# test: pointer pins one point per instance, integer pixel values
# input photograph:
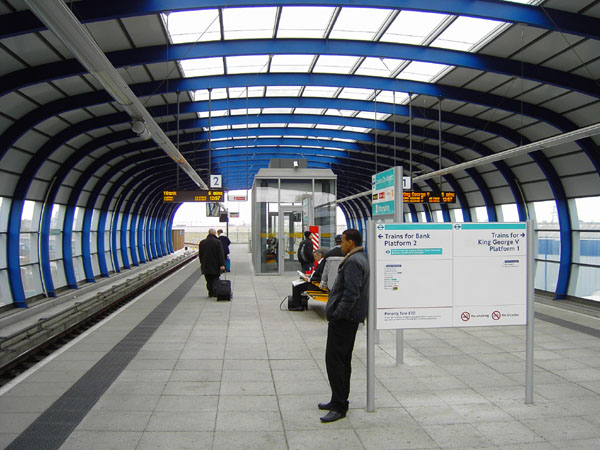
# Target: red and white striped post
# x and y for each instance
(314, 236)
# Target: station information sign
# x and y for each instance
(428, 197)
(450, 274)
(206, 195)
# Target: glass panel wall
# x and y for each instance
(548, 244)
(509, 213)
(266, 193)
(456, 215)
(55, 241)
(28, 248)
(5, 295)
(480, 214)
(325, 211)
(284, 206)
(586, 239)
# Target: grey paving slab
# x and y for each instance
(328, 438)
(182, 421)
(241, 421)
(192, 388)
(181, 440)
(119, 402)
(183, 403)
(247, 375)
(248, 403)
(102, 440)
(556, 429)
(249, 440)
(397, 437)
(247, 388)
(458, 435)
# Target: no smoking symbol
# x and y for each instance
(496, 315)
(465, 316)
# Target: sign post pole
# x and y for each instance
(530, 315)
(371, 320)
(399, 218)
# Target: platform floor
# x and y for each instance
(177, 370)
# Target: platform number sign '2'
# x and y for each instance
(216, 181)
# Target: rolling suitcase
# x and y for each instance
(224, 290)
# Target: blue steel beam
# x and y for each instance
(245, 47)
(547, 18)
(83, 126)
(489, 100)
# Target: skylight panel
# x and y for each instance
(421, 71)
(359, 23)
(465, 32)
(291, 63)
(193, 26)
(202, 67)
(371, 115)
(308, 111)
(240, 92)
(327, 127)
(248, 23)
(356, 93)
(300, 125)
(304, 22)
(412, 27)
(242, 112)
(340, 112)
(247, 64)
(388, 97)
(283, 91)
(319, 91)
(377, 67)
(273, 125)
(202, 94)
(213, 114)
(277, 110)
(335, 64)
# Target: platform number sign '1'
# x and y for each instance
(216, 181)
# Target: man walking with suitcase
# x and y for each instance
(212, 261)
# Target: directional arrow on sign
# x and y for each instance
(380, 235)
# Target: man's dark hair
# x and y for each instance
(338, 239)
(353, 235)
(307, 234)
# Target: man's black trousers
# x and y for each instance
(211, 284)
(338, 360)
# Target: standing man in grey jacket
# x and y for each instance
(347, 307)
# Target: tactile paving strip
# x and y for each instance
(53, 426)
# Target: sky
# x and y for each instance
(194, 214)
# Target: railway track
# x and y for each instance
(21, 350)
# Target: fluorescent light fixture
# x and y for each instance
(59, 19)
(564, 138)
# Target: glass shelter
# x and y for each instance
(285, 202)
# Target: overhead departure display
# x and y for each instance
(210, 195)
(428, 197)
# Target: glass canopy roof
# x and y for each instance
(415, 28)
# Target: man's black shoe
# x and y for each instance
(332, 416)
(324, 406)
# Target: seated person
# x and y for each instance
(297, 303)
(330, 271)
(337, 250)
